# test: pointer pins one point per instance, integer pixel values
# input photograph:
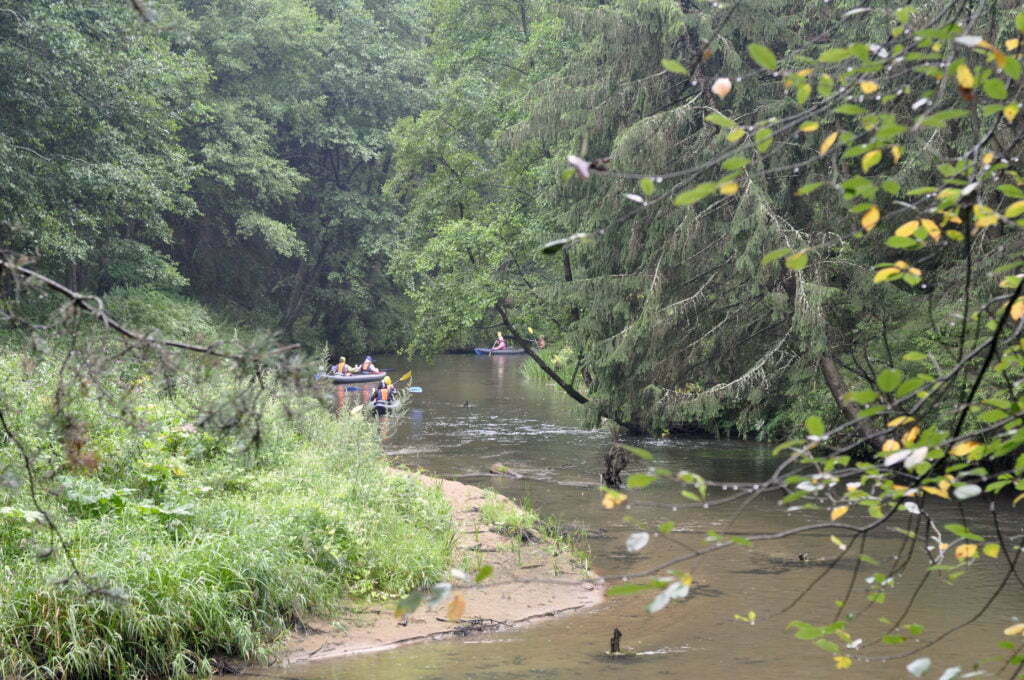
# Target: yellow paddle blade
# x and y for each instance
(408, 374)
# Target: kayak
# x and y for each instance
(354, 378)
(487, 351)
(382, 408)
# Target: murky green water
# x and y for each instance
(476, 411)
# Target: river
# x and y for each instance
(477, 411)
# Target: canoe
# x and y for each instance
(355, 378)
(487, 351)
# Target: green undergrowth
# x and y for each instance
(191, 543)
(522, 523)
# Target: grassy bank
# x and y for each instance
(193, 541)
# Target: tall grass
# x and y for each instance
(202, 546)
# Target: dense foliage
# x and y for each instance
(173, 515)
(234, 151)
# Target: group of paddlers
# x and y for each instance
(343, 368)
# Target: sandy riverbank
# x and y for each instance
(531, 581)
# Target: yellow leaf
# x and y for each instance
(941, 493)
(529, 330)
(964, 77)
(1017, 309)
(991, 550)
(839, 512)
(900, 420)
(984, 216)
(842, 662)
(885, 273)
(943, 547)
(907, 229)
(897, 153)
(456, 608)
(729, 188)
(1010, 111)
(966, 551)
(890, 445)
(988, 158)
(1015, 629)
(869, 219)
(932, 229)
(901, 265)
(1011, 44)
(870, 159)
(868, 86)
(1015, 209)
(1019, 496)
(803, 73)
(963, 448)
(910, 436)
(612, 499)
(736, 134)
(838, 543)
(810, 126)
(827, 143)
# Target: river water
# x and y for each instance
(477, 411)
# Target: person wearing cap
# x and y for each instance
(367, 365)
(343, 368)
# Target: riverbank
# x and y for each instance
(535, 577)
(191, 543)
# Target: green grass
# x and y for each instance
(204, 545)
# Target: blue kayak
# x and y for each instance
(487, 351)
(353, 378)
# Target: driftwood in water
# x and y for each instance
(616, 636)
(615, 461)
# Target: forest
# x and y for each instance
(767, 220)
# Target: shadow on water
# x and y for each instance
(478, 411)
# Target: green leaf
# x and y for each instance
(673, 66)
(639, 481)
(409, 603)
(901, 242)
(826, 85)
(630, 588)
(862, 397)
(775, 254)
(1019, 22)
(995, 88)
(915, 356)
(734, 163)
(815, 426)
(763, 139)
(720, 120)
(483, 573)
(691, 196)
(808, 188)
(638, 452)
(834, 55)
(647, 186)
(963, 532)
(890, 379)
(763, 56)
(797, 261)
(827, 645)
(939, 119)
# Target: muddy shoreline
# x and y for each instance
(532, 581)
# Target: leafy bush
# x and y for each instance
(199, 546)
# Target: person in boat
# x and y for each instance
(367, 366)
(540, 342)
(499, 343)
(383, 395)
(342, 368)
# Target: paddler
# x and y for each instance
(367, 365)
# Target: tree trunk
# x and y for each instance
(837, 386)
